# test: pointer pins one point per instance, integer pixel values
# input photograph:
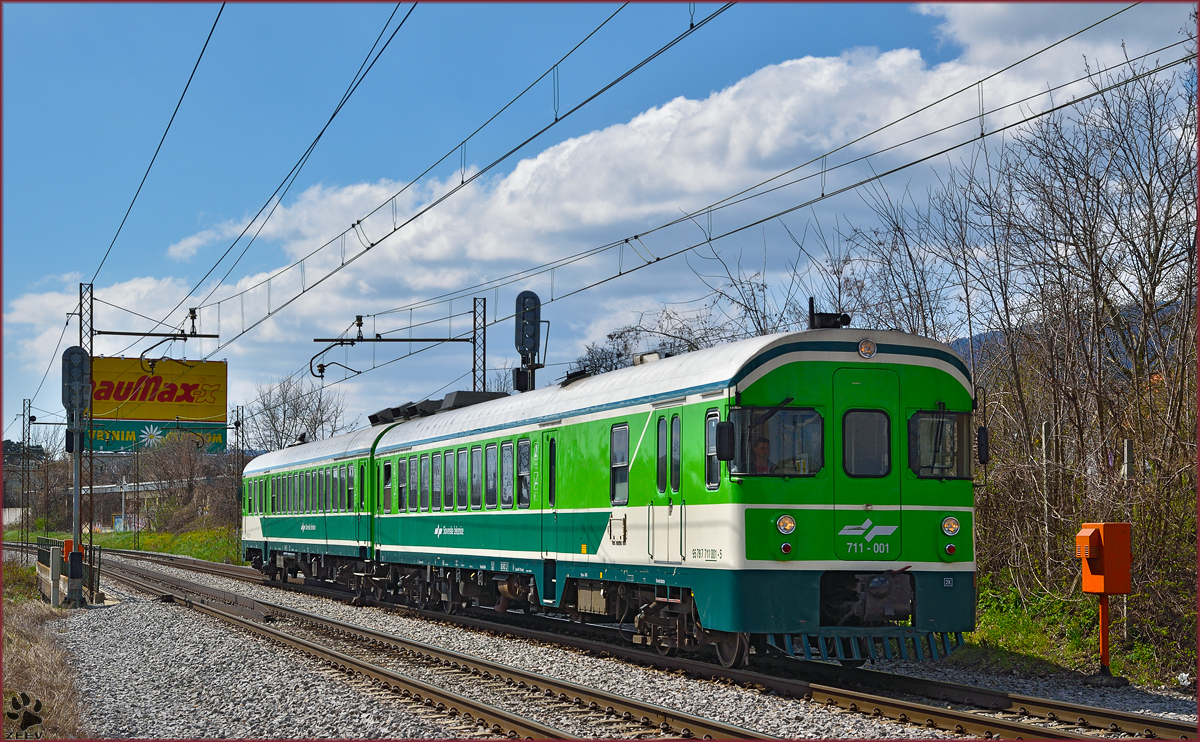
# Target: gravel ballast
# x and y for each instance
(775, 715)
(151, 669)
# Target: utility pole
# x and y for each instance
(479, 345)
(25, 508)
(86, 337)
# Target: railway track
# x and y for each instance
(376, 656)
(985, 712)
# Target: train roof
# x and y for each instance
(350, 445)
(709, 370)
(715, 369)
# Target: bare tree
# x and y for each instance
(280, 412)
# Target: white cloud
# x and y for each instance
(603, 185)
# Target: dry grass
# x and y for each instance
(35, 664)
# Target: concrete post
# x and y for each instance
(55, 575)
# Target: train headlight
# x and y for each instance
(786, 524)
(866, 348)
(950, 526)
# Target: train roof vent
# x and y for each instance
(424, 408)
(383, 417)
(455, 400)
(642, 359)
(574, 376)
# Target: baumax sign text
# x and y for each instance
(191, 390)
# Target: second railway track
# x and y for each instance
(982, 711)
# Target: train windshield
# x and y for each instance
(775, 441)
(939, 445)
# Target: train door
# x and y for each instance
(547, 465)
(867, 426)
(666, 510)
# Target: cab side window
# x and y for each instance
(712, 467)
(676, 451)
(618, 454)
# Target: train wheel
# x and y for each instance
(733, 650)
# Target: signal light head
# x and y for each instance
(950, 549)
(950, 525)
(786, 524)
(786, 548)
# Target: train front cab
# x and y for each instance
(856, 481)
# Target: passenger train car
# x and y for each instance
(806, 493)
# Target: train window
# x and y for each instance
(476, 477)
(310, 492)
(425, 483)
(551, 466)
(436, 473)
(339, 494)
(712, 467)
(490, 493)
(777, 441)
(463, 478)
(350, 487)
(506, 474)
(618, 455)
(414, 485)
(448, 473)
(662, 455)
(381, 507)
(676, 451)
(523, 473)
(401, 479)
(866, 441)
(939, 445)
(290, 482)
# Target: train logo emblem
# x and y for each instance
(866, 531)
(448, 530)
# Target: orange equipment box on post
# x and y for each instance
(1106, 553)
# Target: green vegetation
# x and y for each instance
(20, 583)
(1048, 635)
(213, 544)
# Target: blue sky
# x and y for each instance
(88, 89)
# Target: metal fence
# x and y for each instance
(92, 557)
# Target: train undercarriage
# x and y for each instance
(656, 617)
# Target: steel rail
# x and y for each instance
(498, 721)
(1032, 708)
(1092, 717)
(652, 715)
(665, 719)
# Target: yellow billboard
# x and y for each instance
(130, 389)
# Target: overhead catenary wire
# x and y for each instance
(733, 199)
(160, 144)
(274, 199)
(527, 273)
(750, 225)
(479, 173)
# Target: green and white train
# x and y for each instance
(808, 492)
